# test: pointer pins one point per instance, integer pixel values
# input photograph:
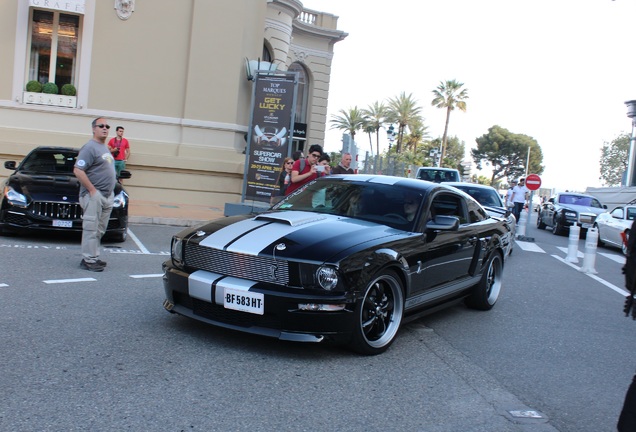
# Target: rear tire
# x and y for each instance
(486, 293)
(557, 229)
(540, 224)
(599, 242)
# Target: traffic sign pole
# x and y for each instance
(533, 182)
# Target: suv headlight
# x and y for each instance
(120, 199)
(570, 214)
(14, 198)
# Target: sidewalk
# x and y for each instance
(160, 213)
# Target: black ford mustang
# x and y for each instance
(345, 259)
(43, 194)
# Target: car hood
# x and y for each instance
(42, 187)
(295, 235)
(583, 209)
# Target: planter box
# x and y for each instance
(49, 99)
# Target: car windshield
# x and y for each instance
(395, 206)
(580, 200)
(484, 196)
(49, 162)
(437, 175)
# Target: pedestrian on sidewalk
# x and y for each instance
(95, 170)
(120, 149)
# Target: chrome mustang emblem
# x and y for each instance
(273, 268)
(281, 246)
(64, 198)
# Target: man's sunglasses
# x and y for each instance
(102, 126)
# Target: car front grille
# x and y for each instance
(55, 210)
(587, 218)
(259, 269)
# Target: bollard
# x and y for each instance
(521, 226)
(573, 244)
(589, 257)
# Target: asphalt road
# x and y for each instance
(96, 351)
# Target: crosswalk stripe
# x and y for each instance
(529, 246)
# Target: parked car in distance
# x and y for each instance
(438, 175)
(491, 201)
(613, 227)
(346, 259)
(568, 208)
(43, 194)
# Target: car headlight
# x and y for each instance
(176, 250)
(120, 199)
(14, 198)
(570, 214)
(327, 277)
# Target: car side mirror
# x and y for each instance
(9, 165)
(443, 223)
(605, 206)
(124, 174)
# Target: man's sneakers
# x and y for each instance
(96, 266)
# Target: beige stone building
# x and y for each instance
(171, 73)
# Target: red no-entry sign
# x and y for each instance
(533, 182)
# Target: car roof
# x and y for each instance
(469, 185)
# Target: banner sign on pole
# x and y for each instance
(270, 133)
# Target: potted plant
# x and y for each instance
(34, 87)
(69, 90)
(50, 88)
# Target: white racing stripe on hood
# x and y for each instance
(222, 237)
(285, 224)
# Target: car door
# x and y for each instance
(443, 263)
(615, 226)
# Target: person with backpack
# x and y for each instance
(304, 170)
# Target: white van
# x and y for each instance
(438, 175)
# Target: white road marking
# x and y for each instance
(136, 252)
(529, 246)
(617, 258)
(593, 276)
(614, 257)
(2, 285)
(156, 275)
(138, 242)
(58, 281)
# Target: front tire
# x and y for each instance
(379, 314)
(486, 293)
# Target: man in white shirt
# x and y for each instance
(519, 194)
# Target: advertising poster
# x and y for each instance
(269, 135)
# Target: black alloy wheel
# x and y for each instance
(379, 314)
(486, 293)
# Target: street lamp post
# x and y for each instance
(631, 163)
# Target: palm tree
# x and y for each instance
(375, 115)
(449, 95)
(351, 120)
(402, 110)
(369, 129)
(418, 132)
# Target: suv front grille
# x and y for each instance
(55, 210)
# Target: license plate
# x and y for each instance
(62, 223)
(244, 301)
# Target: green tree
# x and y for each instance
(375, 115)
(507, 154)
(614, 157)
(351, 120)
(417, 133)
(449, 95)
(402, 110)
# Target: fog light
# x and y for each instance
(318, 307)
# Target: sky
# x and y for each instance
(558, 71)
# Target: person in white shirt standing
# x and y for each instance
(519, 196)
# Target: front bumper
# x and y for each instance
(282, 319)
